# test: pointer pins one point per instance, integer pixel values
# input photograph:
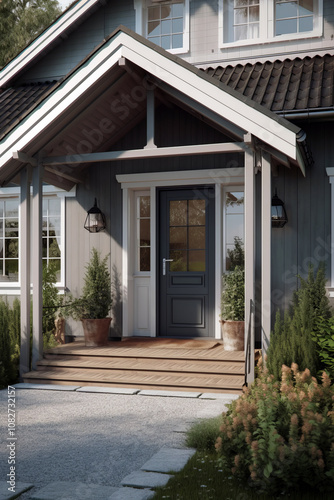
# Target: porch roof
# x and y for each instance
(98, 80)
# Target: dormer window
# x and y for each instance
(165, 23)
(247, 22)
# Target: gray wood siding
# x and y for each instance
(82, 41)
(204, 47)
(306, 238)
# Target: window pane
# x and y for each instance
(234, 227)
(165, 11)
(306, 7)
(177, 26)
(145, 255)
(254, 14)
(155, 40)
(1, 249)
(234, 203)
(179, 263)
(177, 10)
(154, 28)
(240, 33)
(306, 24)
(286, 9)
(197, 237)
(12, 269)
(145, 234)
(240, 16)
(54, 206)
(1, 208)
(166, 27)
(178, 213)
(177, 41)
(54, 250)
(44, 247)
(11, 248)
(178, 238)
(11, 208)
(240, 3)
(145, 206)
(153, 13)
(54, 226)
(197, 260)
(197, 212)
(12, 228)
(165, 42)
(286, 26)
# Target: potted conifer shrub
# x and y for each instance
(93, 307)
(233, 300)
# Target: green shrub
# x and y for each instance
(323, 336)
(9, 342)
(96, 299)
(233, 295)
(279, 436)
(203, 434)
(50, 305)
(291, 341)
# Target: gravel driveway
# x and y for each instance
(93, 438)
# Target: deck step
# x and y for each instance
(154, 365)
(141, 365)
(143, 380)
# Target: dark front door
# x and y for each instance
(186, 262)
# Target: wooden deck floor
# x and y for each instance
(165, 364)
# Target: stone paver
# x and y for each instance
(168, 459)
(49, 387)
(108, 390)
(19, 488)
(62, 490)
(140, 479)
(132, 494)
(219, 395)
(171, 394)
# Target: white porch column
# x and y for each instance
(125, 263)
(25, 270)
(37, 346)
(265, 252)
(249, 262)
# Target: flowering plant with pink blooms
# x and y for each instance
(279, 436)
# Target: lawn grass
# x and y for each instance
(204, 479)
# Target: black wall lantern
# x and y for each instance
(278, 213)
(95, 220)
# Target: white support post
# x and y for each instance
(37, 346)
(125, 264)
(218, 257)
(25, 270)
(249, 262)
(150, 119)
(265, 252)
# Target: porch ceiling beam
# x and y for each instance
(24, 158)
(201, 149)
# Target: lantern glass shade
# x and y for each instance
(95, 220)
(278, 214)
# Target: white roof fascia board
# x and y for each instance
(123, 45)
(58, 102)
(42, 41)
(231, 108)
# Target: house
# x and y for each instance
(182, 119)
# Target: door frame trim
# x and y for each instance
(132, 182)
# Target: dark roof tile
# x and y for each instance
(15, 102)
(283, 85)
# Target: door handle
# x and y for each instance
(164, 265)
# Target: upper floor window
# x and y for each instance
(245, 22)
(165, 23)
(293, 16)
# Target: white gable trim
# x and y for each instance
(173, 73)
(49, 35)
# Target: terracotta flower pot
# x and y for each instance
(96, 331)
(233, 333)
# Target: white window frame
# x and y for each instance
(267, 26)
(141, 23)
(138, 195)
(14, 287)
